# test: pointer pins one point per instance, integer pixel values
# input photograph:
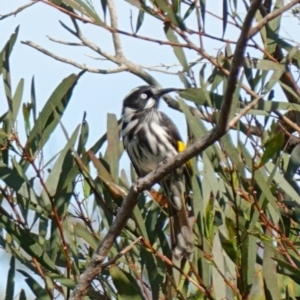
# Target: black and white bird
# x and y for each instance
(150, 137)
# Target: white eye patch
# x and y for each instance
(144, 96)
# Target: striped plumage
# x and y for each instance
(150, 137)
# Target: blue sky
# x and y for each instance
(95, 93)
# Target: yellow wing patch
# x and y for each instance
(180, 148)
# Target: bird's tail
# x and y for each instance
(182, 240)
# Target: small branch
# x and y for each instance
(236, 65)
(123, 252)
(243, 112)
(64, 42)
(254, 30)
(155, 69)
(114, 24)
(54, 215)
(111, 29)
(74, 63)
(120, 60)
(287, 121)
(15, 12)
(166, 260)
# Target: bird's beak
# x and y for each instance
(161, 92)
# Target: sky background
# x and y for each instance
(95, 93)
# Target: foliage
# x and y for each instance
(245, 195)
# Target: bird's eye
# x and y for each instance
(144, 96)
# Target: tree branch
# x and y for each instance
(15, 12)
(72, 62)
(255, 29)
(64, 42)
(236, 65)
(114, 24)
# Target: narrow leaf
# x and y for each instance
(46, 121)
(112, 154)
(39, 291)
(125, 284)
(225, 16)
(10, 285)
(177, 50)
(140, 20)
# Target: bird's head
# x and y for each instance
(144, 97)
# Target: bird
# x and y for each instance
(150, 137)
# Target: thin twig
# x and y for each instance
(232, 123)
(287, 121)
(64, 42)
(236, 64)
(15, 12)
(123, 252)
(114, 24)
(254, 30)
(166, 260)
(74, 63)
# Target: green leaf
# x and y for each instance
(264, 182)
(46, 121)
(10, 285)
(58, 169)
(86, 9)
(176, 6)
(104, 6)
(199, 97)
(292, 168)
(218, 281)
(18, 183)
(140, 222)
(203, 11)
(112, 154)
(177, 50)
(102, 171)
(70, 284)
(166, 8)
(26, 115)
(140, 20)
(198, 129)
(8, 47)
(236, 98)
(6, 76)
(16, 100)
(262, 64)
(269, 272)
(225, 16)
(39, 291)
(33, 99)
(273, 147)
(22, 295)
(83, 232)
(27, 243)
(248, 259)
(125, 284)
(155, 269)
(184, 80)
(272, 29)
(275, 78)
(288, 269)
(84, 134)
(189, 11)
